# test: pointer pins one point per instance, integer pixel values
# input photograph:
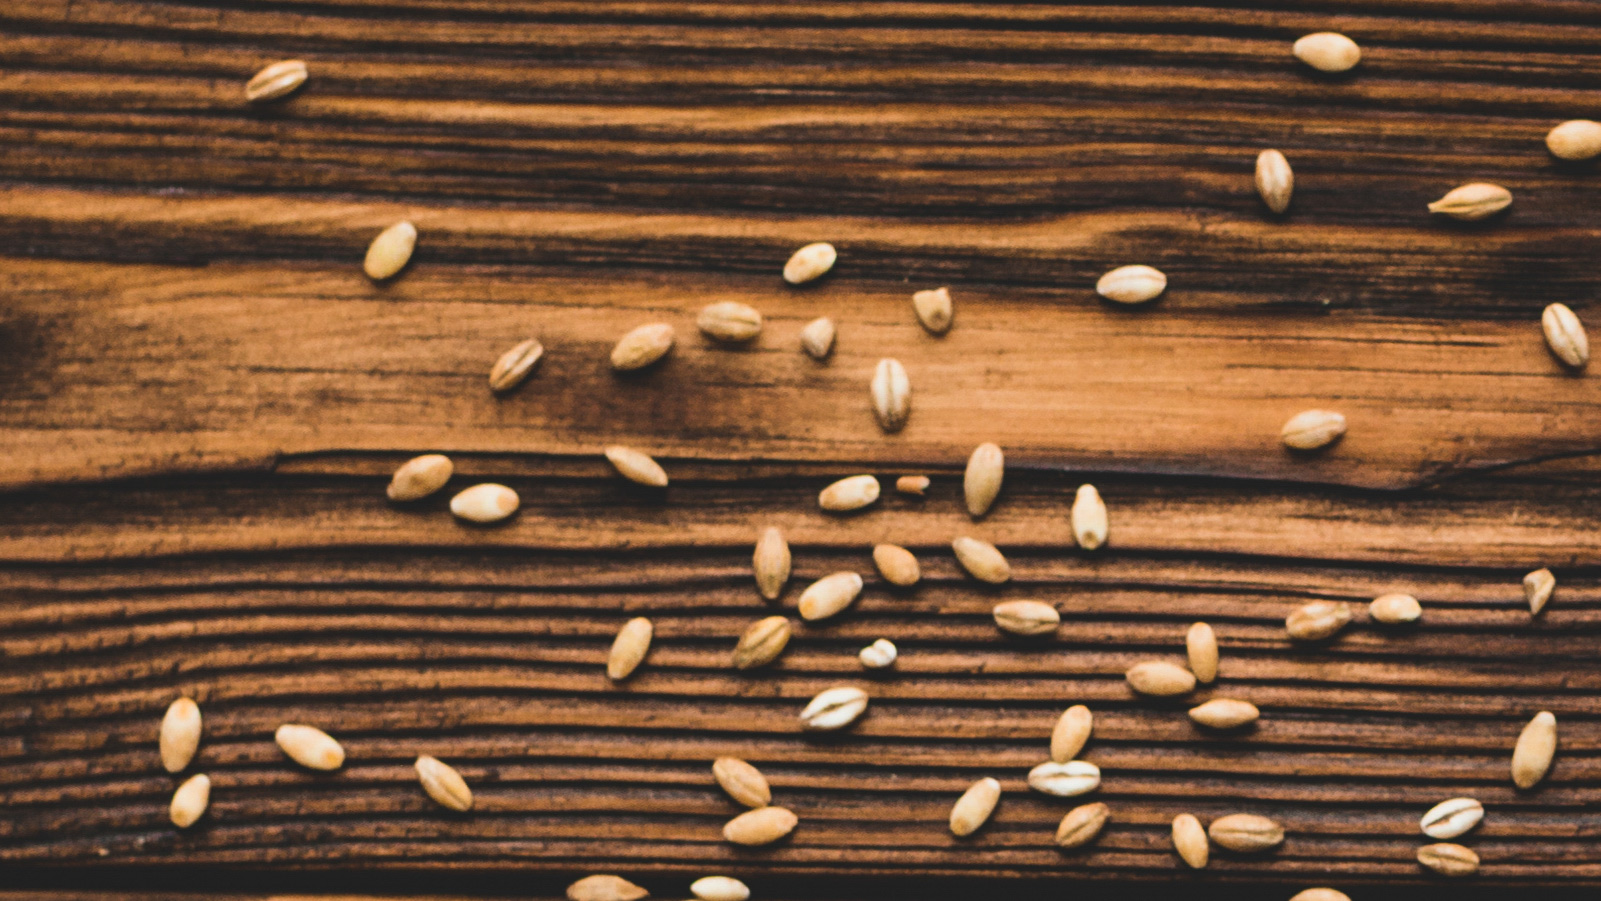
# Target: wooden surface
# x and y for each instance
(201, 398)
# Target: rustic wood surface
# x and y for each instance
(201, 398)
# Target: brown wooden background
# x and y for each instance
(201, 398)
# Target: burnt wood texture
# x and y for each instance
(202, 397)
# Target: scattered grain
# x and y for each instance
(628, 650)
(974, 807)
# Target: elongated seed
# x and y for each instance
(514, 366)
(829, 595)
(390, 251)
(912, 485)
(762, 826)
(729, 321)
(1065, 780)
(1225, 713)
(1026, 617)
(892, 395)
(628, 650)
(986, 468)
(1327, 51)
(1395, 608)
(1575, 139)
(1089, 518)
(1082, 824)
(1449, 859)
(1132, 284)
(897, 565)
(852, 493)
(879, 654)
(419, 477)
(1246, 832)
(642, 346)
(762, 642)
(1312, 429)
(974, 807)
(1072, 730)
(636, 466)
(190, 801)
(276, 81)
(1317, 620)
(933, 308)
(1565, 335)
(1536, 747)
(180, 734)
(605, 887)
(834, 708)
(817, 338)
(1471, 202)
(1320, 894)
(487, 502)
(810, 262)
(771, 563)
(1189, 839)
(1449, 819)
(719, 888)
(310, 747)
(1275, 180)
(743, 782)
(1537, 588)
(442, 783)
(982, 560)
(1200, 645)
(1159, 678)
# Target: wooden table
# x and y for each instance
(201, 398)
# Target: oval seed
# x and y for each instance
(1082, 824)
(1448, 859)
(817, 338)
(642, 346)
(810, 262)
(933, 310)
(180, 734)
(604, 887)
(1189, 839)
(1320, 894)
(1089, 518)
(982, 560)
(1395, 608)
(1065, 780)
(829, 595)
(1072, 730)
(892, 395)
(1575, 139)
(190, 801)
(743, 782)
(485, 503)
(1159, 678)
(897, 565)
(1246, 832)
(879, 654)
(1275, 181)
(1537, 745)
(515, 365)
(390, 251)
(1327, 51)
(974, 807)
(762, 826)
(1225, 713)
(1537, 588)
(1317, 620)
(1449, 819)
(629, 648)
(636, 466)
(852, 493)
(1565, 335)
(1131, 284)
(771, 563)
(981, 484)
(276, 81)
(762, 642)
(834, 708)
(1312, 429)
(1026, 617)
(442, 783)
(912, 485)
(1472, 202)
(419, 477)
(729, 321)
(310, 747)
(1200, 644)
(719, 888)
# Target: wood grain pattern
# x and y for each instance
(202, 398)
